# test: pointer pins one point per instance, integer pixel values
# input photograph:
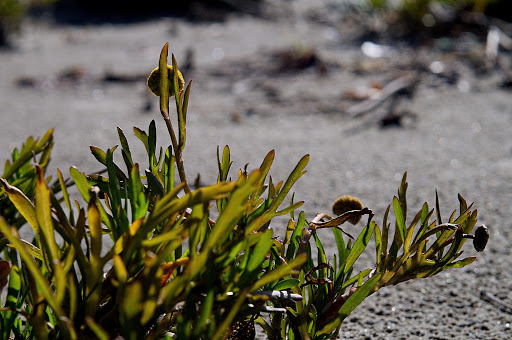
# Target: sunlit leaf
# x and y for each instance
(292, 178)
(32, 266)
(22, 203)
(385, 230)
(179, 108)
(260, 251)
(352, 302)
(11, 301)
(286, 284)
(34, 251)
(127, 155)
(185, 100)
(340, 244)
(359, 246)
(85, 190)
(294, 241)
(402, 191)
(400, 222)
(279, 272)
(355, 279)
(378, 244)
(460, 263)
(65, 193)
(164, 80)
(30, 147)
(142, 136)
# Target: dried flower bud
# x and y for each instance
(154, 81)
(481, 238)
(347, 203)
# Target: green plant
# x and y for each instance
(332, 291)
(174, 268)
(21, 173)
(173, 271)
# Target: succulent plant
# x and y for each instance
(174, 269)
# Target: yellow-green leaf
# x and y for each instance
(22, 204)
(399, 218)
(44, 217)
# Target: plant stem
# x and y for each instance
(164, 109)
(177, 151)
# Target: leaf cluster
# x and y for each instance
(170, 269)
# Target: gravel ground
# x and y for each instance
(456, 137)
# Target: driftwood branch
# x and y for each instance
(388, 91)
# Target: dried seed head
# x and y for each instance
(154, 81)
(347, 203)
(481, 238)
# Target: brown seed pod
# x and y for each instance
(347, 203)
(481, 238)
(154, 81)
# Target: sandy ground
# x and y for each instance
(459, 141)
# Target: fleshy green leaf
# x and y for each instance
(385, 230)
(153, 162)
(352, 302)
(33, 250)
(359, 246)
(127, 155)
(294, 241)
(154, 184)
(286, 284)
(292, 178)
(279, 272)
(11, 302)
(22, 204)
(438, 211)
(378, 244)
(260, 251)
(179, 108)
(138, 200)
(402, 191)
(65, 194)
(164, 80)
(29, 148)
(355, 279)
(460, 263)
(32, 266)
(141, 134)
(101, 156)
(400, 222)
(340, 244)
(84, 187)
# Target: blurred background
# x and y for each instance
(432, 14)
